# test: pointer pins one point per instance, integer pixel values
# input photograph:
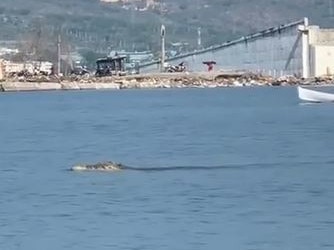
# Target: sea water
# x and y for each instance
(230, 168)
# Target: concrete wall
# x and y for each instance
(276, 53)
(322, 60)
(321, 36)
(47, 86)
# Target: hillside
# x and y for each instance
(101, 27)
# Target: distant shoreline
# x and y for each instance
(154, 81)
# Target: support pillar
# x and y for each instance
(305, 49)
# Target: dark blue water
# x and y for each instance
(265, 176)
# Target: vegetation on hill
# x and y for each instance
(92, 25)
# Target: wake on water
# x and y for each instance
(114, 167)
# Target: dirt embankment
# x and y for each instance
(158, 80)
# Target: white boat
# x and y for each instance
(314, 95)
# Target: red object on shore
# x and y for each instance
(210, 65)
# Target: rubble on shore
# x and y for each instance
(154, 80)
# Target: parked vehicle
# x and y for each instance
(111, 66)
(79, 71)
(177, 68)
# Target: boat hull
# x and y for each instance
(309, 95)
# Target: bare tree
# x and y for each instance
(41, 43)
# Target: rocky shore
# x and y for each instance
(150, 81)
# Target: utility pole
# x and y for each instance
(199, 38)
(58, 54)
(163, 51)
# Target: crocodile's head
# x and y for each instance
(101, 166)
